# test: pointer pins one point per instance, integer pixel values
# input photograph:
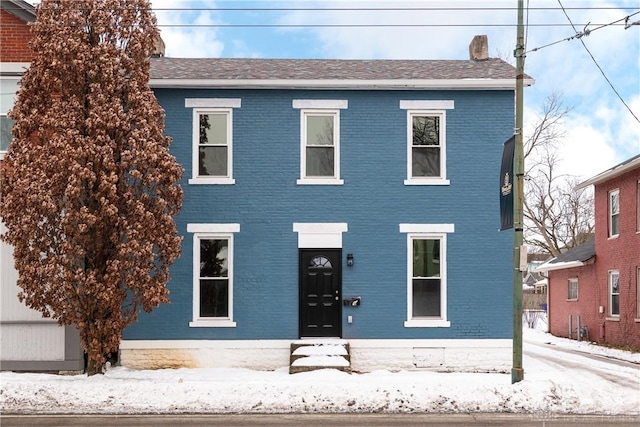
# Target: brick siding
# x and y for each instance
(14, 39)
(621, 253)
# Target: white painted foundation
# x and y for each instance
(475, 355)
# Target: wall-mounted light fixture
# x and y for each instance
(349, 260)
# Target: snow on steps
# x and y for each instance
(310, 355)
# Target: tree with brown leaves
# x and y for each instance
(89, 188)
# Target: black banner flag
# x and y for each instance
(506, 185)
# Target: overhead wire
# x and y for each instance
(580, 34)
(585, 33)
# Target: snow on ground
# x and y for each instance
(548, 388)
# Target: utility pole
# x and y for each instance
(517, 373)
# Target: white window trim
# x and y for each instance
(421, 104)
(319, 234)
(638, 211)
(327, 104)
(573, 279)
(442, 179)
(427, 231)
(637, 294)
(211, 231)
(320, 106)
(610, 275)
(610, 213)
(204, 106)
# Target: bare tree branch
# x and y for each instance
(556, 216)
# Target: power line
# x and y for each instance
(585, 33)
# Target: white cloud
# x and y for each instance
(185, 41)
(586, 151)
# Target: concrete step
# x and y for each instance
(310, 355)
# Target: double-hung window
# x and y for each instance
(426, 274)
(572, 291)
(320, 140)
(614, 293)
(213, 274)
(8, 89)
(212, 151)
(614, 213)
(426, 141)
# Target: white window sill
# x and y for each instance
(320, 181)
(212, 181)
(613, 318)
(429, 181)
(427, 323)
(222, 323)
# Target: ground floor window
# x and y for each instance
(638, 293)
(426, 274)
(614, 293)
(213, 274)
(572, 289)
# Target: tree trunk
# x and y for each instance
(92, 368)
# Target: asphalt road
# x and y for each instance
(324, 420)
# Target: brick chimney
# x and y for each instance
(479, 48)
(158, 48)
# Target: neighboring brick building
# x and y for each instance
(599, 280)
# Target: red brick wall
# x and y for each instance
(621, 253)
(14, 39)
(586, 306)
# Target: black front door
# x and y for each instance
(320, 293)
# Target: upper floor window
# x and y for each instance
(212, 151)
(614, 293)
(614, 213)
(426, 274)
(320, 140)
(572, 289)
(426, 141)
(213, 274)
(638, 209)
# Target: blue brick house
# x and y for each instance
(352, 199)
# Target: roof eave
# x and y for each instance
(610, 174)
(21, 9)
(559, 266)
(433, 84)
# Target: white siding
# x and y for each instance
(20, 339)
(42, 341)
(11, 309)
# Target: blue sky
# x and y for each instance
(601, 131)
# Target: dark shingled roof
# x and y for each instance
(328, 69)
(581, 253)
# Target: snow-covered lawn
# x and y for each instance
(548, 388)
